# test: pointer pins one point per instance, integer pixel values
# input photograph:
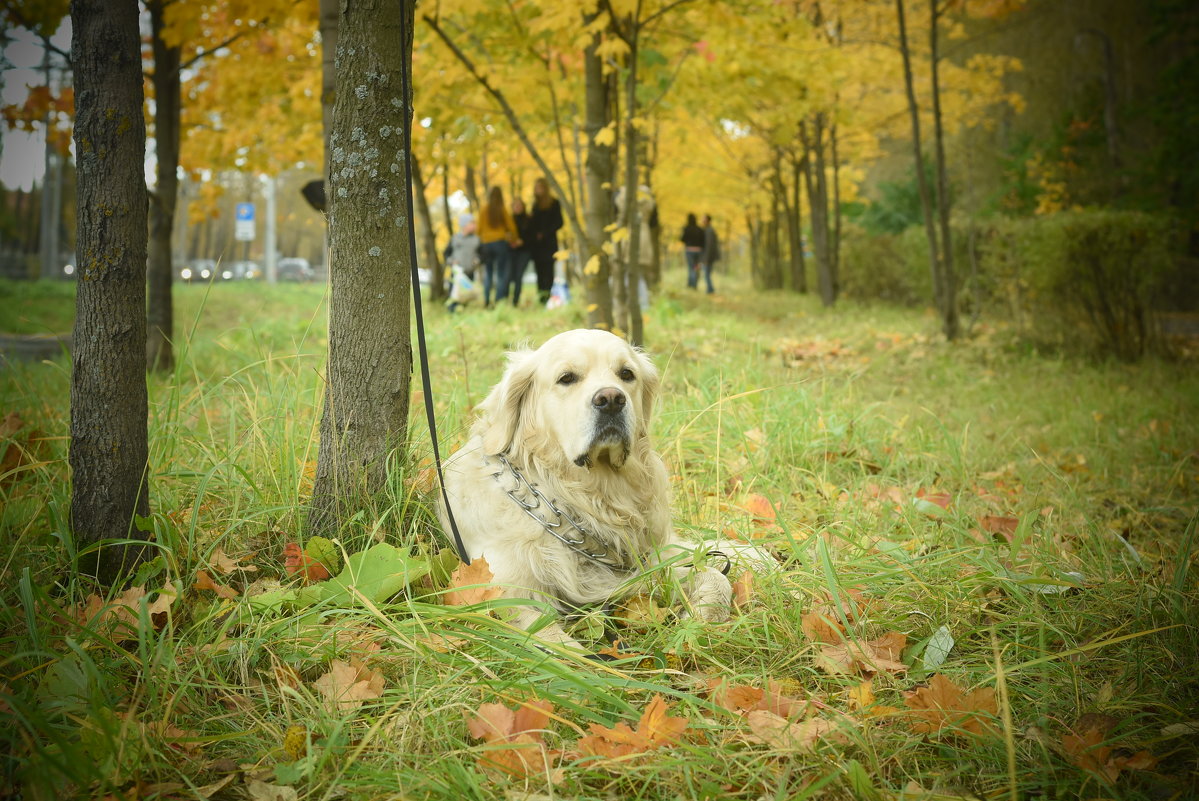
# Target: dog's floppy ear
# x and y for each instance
(502, 407)
(649, 385)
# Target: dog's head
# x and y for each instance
(585, 396)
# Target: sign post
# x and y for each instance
(243, 229)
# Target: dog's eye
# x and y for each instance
(626, 374)
(567, 379)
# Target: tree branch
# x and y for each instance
(518, 129)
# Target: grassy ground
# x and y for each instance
(1037, 514)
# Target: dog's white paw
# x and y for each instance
(709, 597)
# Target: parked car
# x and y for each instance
(241, 270)
(198, 270)
(294, 268)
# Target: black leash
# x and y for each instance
(422, 347)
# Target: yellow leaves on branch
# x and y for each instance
(606, 136)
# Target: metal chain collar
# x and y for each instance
(562, 527)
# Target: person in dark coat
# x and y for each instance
(544, 223)
(521, 255)
(711, 253)
(693, 249)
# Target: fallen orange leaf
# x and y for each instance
(296, 561)
(471, 584)
(779, 733)
(348, 684)
(743, 590)
(1087, 749)
(943, 705)
(205, 582)
(655, 729)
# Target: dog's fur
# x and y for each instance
(547, 415)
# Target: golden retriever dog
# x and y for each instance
(559, 487)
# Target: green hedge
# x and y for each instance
(1079, 280)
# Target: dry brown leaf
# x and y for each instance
(348, 684)
(741, 699)
(471, 584)
(1087, 749)
(1001, 527)
(516, 736)
(655, 729)
(743, 590)
(862, 695)
(819, 627)
(943, 705)
(20, 450)
(760, 507)
(205, 582)
(224, 564)
(777, 732)
(640, 612)
(857, 657)
(119, 619)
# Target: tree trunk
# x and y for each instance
(755, 249)
(428, 240)
(773, 278)
(632, 199)
(471, 190)
(445, 200)
(799, 275)
(370, 358)
(160, 312)
(835, 246)
(600, 171)
(817, 187)
(108, 450)
(950, 322)
(930, 232)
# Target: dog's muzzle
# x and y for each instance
(611, 435)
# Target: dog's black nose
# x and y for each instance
(609, 400)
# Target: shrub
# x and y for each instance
(1088, 279)
(888, 267)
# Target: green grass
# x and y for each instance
(1096, 460)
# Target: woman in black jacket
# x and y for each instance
(520, 249)
(544, 222)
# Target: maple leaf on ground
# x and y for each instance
(18, 451)
(471, 584)
(822, 622)
(942, 499)
(868, 657)
(740, 699)
(941, 704)
(205, 582)
(224, 564)
(119, 619)
(743, 590)
(999, 527)
(295, 561)
(779, 733)
(655, 729)
(348, 684)
(516, 735)
(1087, 749)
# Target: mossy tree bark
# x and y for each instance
(370, 357)
(108, 450)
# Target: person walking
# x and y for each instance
(711, 252)
(521, 255)
(461, 257)
(544, 223)
(497, 230)
(693, 249)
